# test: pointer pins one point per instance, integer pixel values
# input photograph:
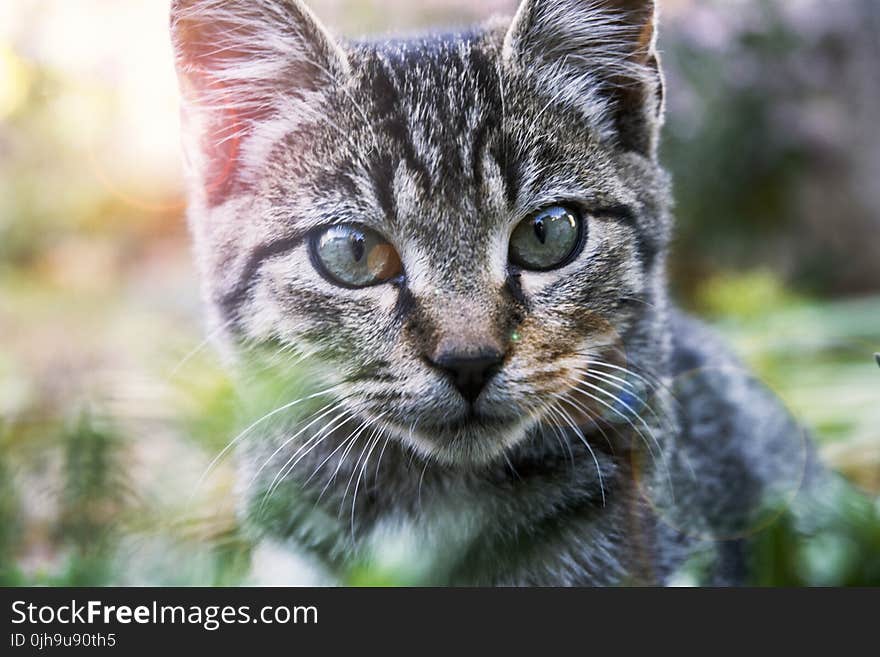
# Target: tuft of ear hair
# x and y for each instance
(240, 62)
(599, 52)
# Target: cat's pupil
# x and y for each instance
(540, 231)
(357, 247)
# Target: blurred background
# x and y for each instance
(111, 407)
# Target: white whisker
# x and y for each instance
(617, 399)
(355, 469)
(560, 412)
(421, 481)
(630, 422)
(323, 432)
(580, 407)
(358, 482)
(381, 454)
(198, 348)
(559, 436)
(350, 443)
(315, 417)
(354, 434)
(250, 428)
(666, 422)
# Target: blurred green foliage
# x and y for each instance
(771, 141)
(834, 541)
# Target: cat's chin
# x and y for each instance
(467, 443)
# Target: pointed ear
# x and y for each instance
(241, 62)
(598, 47)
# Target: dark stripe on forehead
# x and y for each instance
(478, 149)
(382, 176)
(488, 87)
(511, 169)
(381, 85)
(453, 97)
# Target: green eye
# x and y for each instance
(547, 240)
(354, 256)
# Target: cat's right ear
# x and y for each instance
(240, 63)
(600, 55)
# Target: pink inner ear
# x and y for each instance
(221, 145)
(213, 106)
(223, 155)
(221, 131)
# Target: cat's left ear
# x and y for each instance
(604, 48)
(241, 63)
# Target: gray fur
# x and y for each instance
(444, 144)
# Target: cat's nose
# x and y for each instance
(469, 372)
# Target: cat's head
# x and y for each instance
(453, 225)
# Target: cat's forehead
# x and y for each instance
(444, 123)
(425, 116)
(432, 104)
(434, 68)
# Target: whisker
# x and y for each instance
(355, 433)
(632, 369)
(349, 443)
(317, 416)
(630, 422)
(666, 422)
(198, 348)
(421, 481)
(617, 412)
(323, 432)
(510, 465)
(358, 483)
(626, 370)
(250, 428)
(671, 424)
(381, 454)
(608, 377)
(578, 406)
(559, 436)
(639, 300)
(560, 412)
(327, 432)
(354, 471)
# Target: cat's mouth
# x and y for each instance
(472, 437)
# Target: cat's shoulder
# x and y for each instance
(696, 345)
(736, 430)
(715, 389)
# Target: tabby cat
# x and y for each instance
(462, 238)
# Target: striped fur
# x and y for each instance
(444, 143)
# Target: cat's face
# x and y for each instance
(453, 226)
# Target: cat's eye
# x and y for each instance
(355, 256)
(547, 240)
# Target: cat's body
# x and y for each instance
(465, 236)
